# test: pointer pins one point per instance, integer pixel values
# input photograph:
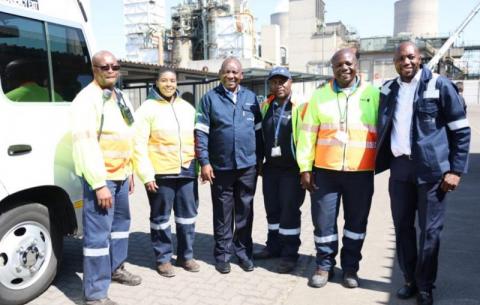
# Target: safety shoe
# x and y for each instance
(246, 265)
(223, 267)
(190, 265)
(320, 278)
(105, 301)
(166, 269)
(407, 291)
(425, 298)
(286, 266)
(122, 276)
(350, 279)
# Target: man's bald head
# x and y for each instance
(231, 73)
(344, 66)
(100, 55)
(105, 69)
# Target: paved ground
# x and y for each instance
(457, 283)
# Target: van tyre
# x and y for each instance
(30, 250)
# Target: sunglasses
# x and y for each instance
(108, 67)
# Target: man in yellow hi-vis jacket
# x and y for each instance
(336, 156)
(102, 150)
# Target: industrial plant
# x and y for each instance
(204, 32)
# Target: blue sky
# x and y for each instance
(368, 17)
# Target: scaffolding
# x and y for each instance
(144, 22)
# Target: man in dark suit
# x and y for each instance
(423, 138)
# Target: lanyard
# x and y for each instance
(277, 127)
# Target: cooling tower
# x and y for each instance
(417, 17)
(281, 19)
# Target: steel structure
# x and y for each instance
(144, 22)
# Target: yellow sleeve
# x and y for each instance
(141, 162)
(87, 155)
(307, 135)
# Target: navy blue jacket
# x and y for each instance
(228, 135)
(440, 134)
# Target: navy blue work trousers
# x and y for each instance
(283, 196)
(232, 197)
(355, 190)
(409, 199)
(105, 238)
(181, 194)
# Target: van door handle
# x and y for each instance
(19, 149)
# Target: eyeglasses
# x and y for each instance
(108, 67)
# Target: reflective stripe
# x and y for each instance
(325, 239)
(96, 252)
(161, 226)
(310, 128)
(202, 127)
(116, 154)
(119, 235)
(431, 91)
(116, 136)
(289, 231)
(83, 135)
(163, 148)
(459, 124)
(386, 88)
(185, 221)
(352, 127)
(274, 226)
(353, 235)
(336, 142)
(258, 126)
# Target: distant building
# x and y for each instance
(144, 22)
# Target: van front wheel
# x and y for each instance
(30, 248)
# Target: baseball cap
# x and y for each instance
(280, 71)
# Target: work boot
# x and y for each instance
(425, 297)
(105, 301)
(350, 279)
(286, 266)
(190, 265)
(122, 276)
(166, 269)
(320, 278)
(407, 291)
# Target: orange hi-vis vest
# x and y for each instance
(339, 130)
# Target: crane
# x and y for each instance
(441, 52)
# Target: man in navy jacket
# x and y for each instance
(228, 143)
(423, 138)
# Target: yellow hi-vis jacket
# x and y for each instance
(339, 132)
(164, 141)
(109, 158)
(298, 110)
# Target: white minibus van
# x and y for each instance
(44, 63)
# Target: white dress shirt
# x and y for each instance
(402, 118)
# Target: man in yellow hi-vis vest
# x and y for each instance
(102, 149)
(336, 156)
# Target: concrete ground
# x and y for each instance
(457, 284)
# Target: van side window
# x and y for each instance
(28, 73)
(23, 59)
(70, 60)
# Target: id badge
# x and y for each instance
(276, 151)
(342, 136)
